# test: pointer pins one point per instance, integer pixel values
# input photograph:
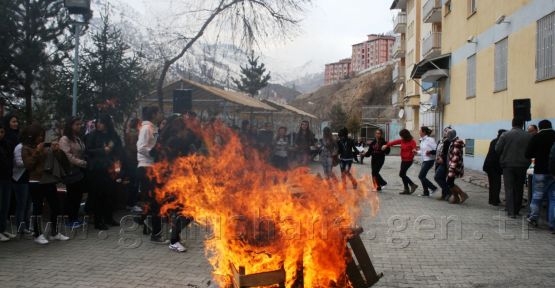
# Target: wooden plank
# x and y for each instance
(263, 279)
(241, 280)
(354, 275)
(364, 261)
(236, 278)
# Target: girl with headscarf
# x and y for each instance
(456, 170)
(442, 160)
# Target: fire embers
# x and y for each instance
(262, 219)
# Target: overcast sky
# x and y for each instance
(328, 30)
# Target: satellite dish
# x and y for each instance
(401, 113)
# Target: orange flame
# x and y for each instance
(262, 218)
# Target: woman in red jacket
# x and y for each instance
(408, 150)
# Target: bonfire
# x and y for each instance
(261, 218)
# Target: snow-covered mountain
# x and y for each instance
(213, 64)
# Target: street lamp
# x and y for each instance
(83, 8)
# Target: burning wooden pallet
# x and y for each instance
(362, 275)
(272, 278)
(360, 270)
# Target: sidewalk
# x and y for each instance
(415, 241)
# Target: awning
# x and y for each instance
(398, 4)
(430, 70)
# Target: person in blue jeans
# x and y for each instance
(539, 149)
(427, 145)
(441, 161)
(347, 152)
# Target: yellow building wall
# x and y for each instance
(479, 117)
(458, 26)
(489, 106)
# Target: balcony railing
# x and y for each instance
(431, 45)
(400, 23)
(398, 74)
(432, 11)
(399, 48)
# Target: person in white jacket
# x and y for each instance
(427, 145)
(146, 148)
(20, 185)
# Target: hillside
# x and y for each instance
(279, 93)
(369, 89)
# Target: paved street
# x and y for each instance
(408, 241)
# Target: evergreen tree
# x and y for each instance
(253, 77)
(35, 38)
(114, 75)
(338, 117)
(112, 78)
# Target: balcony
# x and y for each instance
(431, 45)
(432, 11)
(399, 48)
(398, 74)
(400, 23)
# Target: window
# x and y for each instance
(501, 64)
(545, 62)
(447, 7)
(469, 147)
(471, 7)
(471, 76)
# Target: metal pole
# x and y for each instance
(75, 69)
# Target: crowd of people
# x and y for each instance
(446, 156)
(94, 160)
(42, 169)
(510, 156)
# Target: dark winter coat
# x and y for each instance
(304, 141)
(6, 160)
(539, 149)
(375, 149)
(97, 157)
(346, 149)
(491, 164)
(511, 148)
(552, 160)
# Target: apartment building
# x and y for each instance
(374, 51)
(407, 50)
(337, 71)
(492, 52)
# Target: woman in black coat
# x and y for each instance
(378, 159)
(493, 168)
(104, 150)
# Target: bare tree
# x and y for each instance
(244, 21)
